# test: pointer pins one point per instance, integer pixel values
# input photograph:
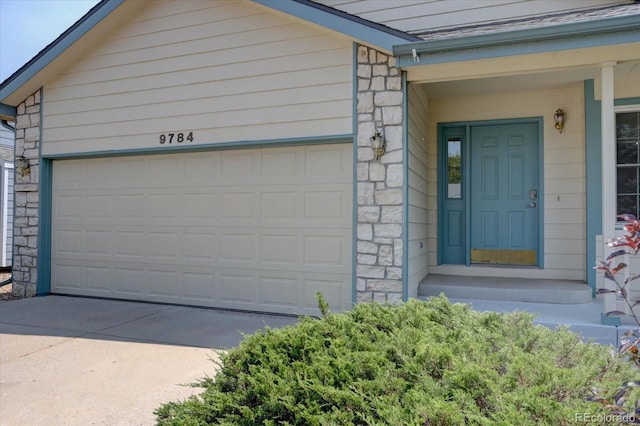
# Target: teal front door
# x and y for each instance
(504, 194)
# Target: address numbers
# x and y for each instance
(175, 138)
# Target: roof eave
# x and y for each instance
(625, 29)
(350, 25)
(7, 112)
(38, 63)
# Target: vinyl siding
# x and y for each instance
(563, 169)
(7, 227)
(226, 71)
(418, 197)
(416, 16)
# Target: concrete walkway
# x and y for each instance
(76, 361)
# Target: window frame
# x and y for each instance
(622, 109)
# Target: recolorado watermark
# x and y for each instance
(605, 418)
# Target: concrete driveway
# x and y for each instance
(77, 361)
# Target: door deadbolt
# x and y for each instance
(533, 194)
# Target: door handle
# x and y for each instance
(532, 205)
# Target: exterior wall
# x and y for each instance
(226, 71)
(6, 213)
(380, 186)
(7, 142)
(419, 201)
(563, 169)
(429, 15)
(25, 230)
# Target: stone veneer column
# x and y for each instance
(380, 183)
(25, 227)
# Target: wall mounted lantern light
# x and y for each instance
(22, 164)
(559, 119)
(377, 143)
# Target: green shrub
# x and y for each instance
(422, 363)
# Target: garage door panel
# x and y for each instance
(237, 287)
(279, 206)
(97, 242)
(163, 283)
(99, 279)
(253, 229)
(281, 165)
(280, 249)
(327, 163)
(332, 290)
(199, 206)
(198, 287)
(238, 205)
(326, 250)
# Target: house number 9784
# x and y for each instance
(176, 137)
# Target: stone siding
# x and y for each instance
(380, 187)
(25, 229)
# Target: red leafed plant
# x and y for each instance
(628, 244)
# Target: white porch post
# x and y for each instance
(608, 152)
(607, 120)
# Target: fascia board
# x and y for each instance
(350, 25)
(618, 30)
(7, 112)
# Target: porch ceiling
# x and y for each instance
(524, 82)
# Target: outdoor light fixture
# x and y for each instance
(22, 164)
(377, 143)
(559, 119)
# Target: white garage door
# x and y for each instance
(256, 229)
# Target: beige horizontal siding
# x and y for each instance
(418, 260)
(225, 70)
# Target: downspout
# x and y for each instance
(8, 126)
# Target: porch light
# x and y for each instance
(22, 164)
(377, 143)
(559, 119)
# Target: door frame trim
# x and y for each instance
(466, 180)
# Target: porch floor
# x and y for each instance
(506, 289)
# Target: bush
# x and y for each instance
(422, 363)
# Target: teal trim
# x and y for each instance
(627, 101)
(605, 320)
(57, 47)
(350, 25)
(8, 112)
(466, 183)
(44, 228)
(405, 197)
(541, 198)
(617, 30)
(268, 143)
(354, 219)
(593, 152)
(43, 285)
